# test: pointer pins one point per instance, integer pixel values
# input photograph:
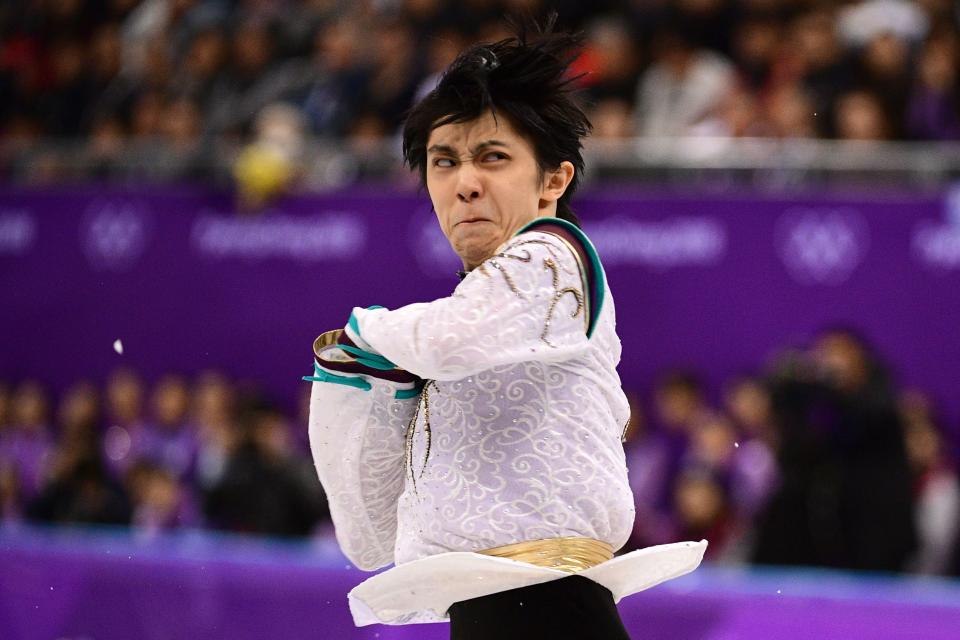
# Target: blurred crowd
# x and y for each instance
(158, 87)
(207, 453)
(820, 460)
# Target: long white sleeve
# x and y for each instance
(357, 442)
(527, 303)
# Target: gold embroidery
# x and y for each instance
(411, 431)
(524, 258)
(551, 249)
(583, 279)
(557, 295)
(506, 276)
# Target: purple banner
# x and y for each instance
(72, 584)
(715, 283)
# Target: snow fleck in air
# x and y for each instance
(118, 346)
(778, 591)
(736, 444)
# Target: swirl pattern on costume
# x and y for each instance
(357, 442)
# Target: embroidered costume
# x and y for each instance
(476, 441)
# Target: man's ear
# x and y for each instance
(555, 182)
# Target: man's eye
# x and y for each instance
(493, 156)
(443, 162)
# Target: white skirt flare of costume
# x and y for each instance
(421, 591)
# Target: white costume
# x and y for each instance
(516, 435)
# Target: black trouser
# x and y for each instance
(574, 608)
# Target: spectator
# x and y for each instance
(79, 415)
(860, 116)
(790, 112)
(337, 79)
(609, 63)
(682, 86)
(106, 147)
(754, 473)
(934, 104)
(125, 438)
(702, 511)
(159, 501)
(269, 166)
(611, 119)
(213, 413)
(680, 403)
(147, 117)
(266, 488)
(843, 464)
(170, 438)
(26, 444)
(736, 115)
(815, 58)
(885, 72)
(395, 74)
(936, 488)
(205, 59)
(756, 42)
(182, 156)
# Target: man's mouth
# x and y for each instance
(472, 220)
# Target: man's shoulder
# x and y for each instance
(571, 239)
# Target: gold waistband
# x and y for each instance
(566, 554)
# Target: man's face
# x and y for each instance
(483, 179)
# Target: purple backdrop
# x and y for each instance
(712, 282)
(73, 584)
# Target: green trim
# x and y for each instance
(598, 273)
(406, 394)
(326, 376)
(352, 322)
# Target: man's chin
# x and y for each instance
(473, 255)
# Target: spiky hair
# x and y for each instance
(523, 78)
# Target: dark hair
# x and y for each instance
(524, 78)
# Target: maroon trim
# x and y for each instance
(394, 375)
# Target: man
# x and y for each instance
(475, 441)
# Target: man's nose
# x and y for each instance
(468, 183)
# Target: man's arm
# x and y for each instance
(358, 421)
(532, 301)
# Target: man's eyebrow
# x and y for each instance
(441, 148)
(489, 143)
(480, 146)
